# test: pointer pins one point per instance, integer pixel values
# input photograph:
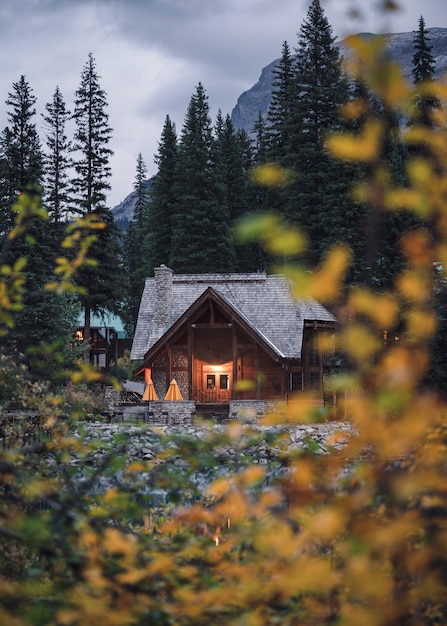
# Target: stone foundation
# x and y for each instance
(249, 410)
(159, 412)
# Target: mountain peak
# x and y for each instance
(256, 100)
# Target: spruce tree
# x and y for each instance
(162, 194)
(201, 237)
(424, 102)
(21, 160)
(249, 256)
(318, 199)
(46, 317)
(57, 160)
(422, 71)
(278, 115)
(232, 162)
(104, 282)
(137, 247)
(141, 192)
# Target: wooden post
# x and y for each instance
(235, 377)
(190, 362)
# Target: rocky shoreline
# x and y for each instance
(200, 452)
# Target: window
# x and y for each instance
(296, 381)
(210, 381)
(224, 381)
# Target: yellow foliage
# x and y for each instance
(360, 343)
(271, 175)
(364, 147)
(381, 309)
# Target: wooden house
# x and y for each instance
(108, 340)
(227, 337)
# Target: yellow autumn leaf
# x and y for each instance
(251, 475)
(218, 488)
(354, 109)
(382, 309)
(414, 287)
(328, 524)
(405, 199)
(244, 385)
(116, 542)
(160, 564)
(420, 325)
(326, 282)
(132, 576)
(271, 175)
(359, 342)
(363, 147)
(285, 242)
(135, 467)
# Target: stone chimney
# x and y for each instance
(163, 296)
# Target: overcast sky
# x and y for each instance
(151, 54)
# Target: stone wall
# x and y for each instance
(250, 410)
(159, 411)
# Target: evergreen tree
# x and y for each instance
(7, 186)
(260, 140)
(91, 142)
(141, 192)
(317, 201)
(249, 257)
(48, 320)
(201, 238)
(424, 102)
(162, 194)
(280, 108)
(137, 247)
(423, 61)
(260, 194)
(231, 173)
(232, 162)
(43, 318)
(21, 160)
(90, 184)
(57, 160)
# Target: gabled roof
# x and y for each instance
(263, 303)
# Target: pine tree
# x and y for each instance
(57, 160)
(317, 200)
(21, 160)
(104, 282)
(162, 194)
(201, 239)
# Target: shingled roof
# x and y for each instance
(263, 301)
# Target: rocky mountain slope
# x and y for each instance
(123, 212)
(256, 100)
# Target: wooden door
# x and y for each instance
(216, 385)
